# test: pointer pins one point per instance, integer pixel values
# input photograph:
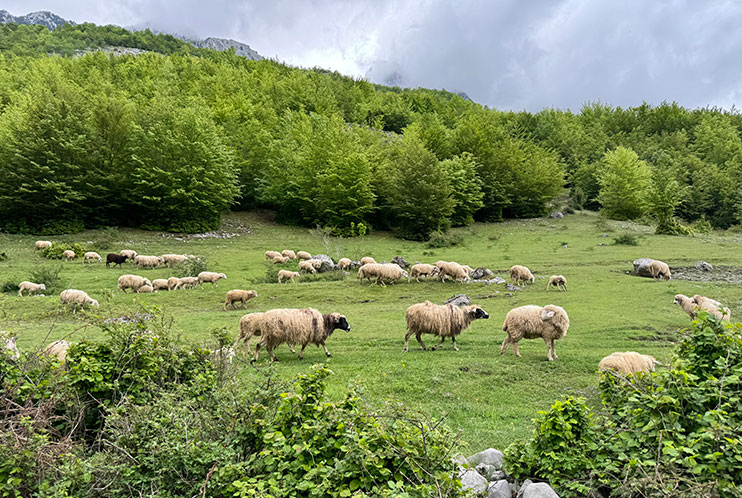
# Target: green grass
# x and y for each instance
(491, 398)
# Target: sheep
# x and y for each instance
(658, 270)
(145, 289)
(211, 277)
(421, 269)
(307, 265)
(288, 253)
(160, 284)
(550, 323)
(148, 261)
(133, 282)
(129, 254)
(290, 275)
(367, 260)
(344, 263)
(381, 272)
(43, 244)
(238, 295)
(453, 270)
(272, 254)
(172, 283)
(30, 287)
(292, 326)
(74, 296)
(520, 274)
(173, 259)
(698, 302)
(116, 259)
(91, 255)
(558, 281)
(303, 255)
(58, 349)
(280, 260)
(443, 321)
(11, 347)
(187, 283)
(469, 270)
(628, 362)
(69, 255)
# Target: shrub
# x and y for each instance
(701, 225)
(673, 226)
(190, 267)
(626, 239)
(56, 249)
(9, 288)
(445, 239)
(47, 275)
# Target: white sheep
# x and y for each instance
(129, 254)
(43, 244)
(288, 275)
(30, 287)
(272, 254)
(381, 272)
(160, 284)
(142, 261)
(145, 289)
(443, 321)
(91, 256)
(288, 253)
(344, 263)
(69, 255)
(173, 259)
(423, 270)
(303, 255)
(307, 266)
(558, 281)
(520, 274)
(367, 260)
(530, 322)
(452, 269)
(659, 269)
(187, 283)
(210, 277)
(58, 349)
(280, 260)
(74, 296)
(698, 302)
(240, 295)
(628, 362)
(10, 346)
(133, 282)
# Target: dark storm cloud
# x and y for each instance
(508, 54)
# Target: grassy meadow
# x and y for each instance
(491, 398)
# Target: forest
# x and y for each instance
(172, 138)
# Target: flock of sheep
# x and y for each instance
(308, 326)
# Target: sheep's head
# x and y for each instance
(222, 275)
(147, 282)
(252, 293)
(94, 303)
(336, 321)
(42, 287)
(475, 312)
(680, 299)
(404, 274)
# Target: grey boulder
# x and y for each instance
(499, 489)
(512, 287)
(399, 260)
(481, 273)
(641, 267)
(470, 479)
(557, 215)
(537, 490)
(704, 266)
(458, 300)
(489, 456)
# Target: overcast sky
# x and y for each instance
(508, 54)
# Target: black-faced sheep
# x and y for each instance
(288, 275)
(443, 321)
(520, 274)
(116, 259)
(530, 322)
(558, 281)
(210, 277)
(30, 288)
(74, 296)
(238, 295)
(381, 272)
(91, 256)
(423, 270)
(628, 362)
(658, 270)
(133, 282)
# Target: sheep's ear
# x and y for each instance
(546, 314)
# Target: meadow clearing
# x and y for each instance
(489, 397)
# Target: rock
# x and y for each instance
(522, 488)
(557, 215)
(538, 490)
(485, 470)
(354, 265)
(458, 300)
(499, 489)
(604, 235)
(512, 287)
(641, 267)
(470, 479)
(460, 462)
(481, 273)
(498, 475)
(489, 456)
(499, 280)
(704, 266)
(399, 260)
(327, 263)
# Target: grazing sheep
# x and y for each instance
(280, 260)
(628, 362)
(520, 274)
(443, 321)
(210, 277)
(423, 270)
(307, 265)
(10, 346)
(286, 274)
(173, 259)
(30, 287)
(344, 263)
(303, 255)
(239, 295)
(74, 296)
(468, 269)
(148, 261)
(367, 260)
(292, 326)
(658, 270)
(172, 283)
(58, 349)
(129, 254)
(160, 284)
(381, 272)
(272, 254)
(43, 244)
(698, 302)
(69, 255)
(529, 322)
(145, 289)
(288, 253)
(133, 282)
(453, 270)
(187, 283)
(558, 281)
(116, 259)
(91, 256)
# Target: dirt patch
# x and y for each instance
(731, 274)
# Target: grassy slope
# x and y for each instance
(492, 398)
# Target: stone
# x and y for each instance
(522, 488)
(458, 300)
(557, 215)
(485, 470)
(327, 263)
(499, 489)
(481, 273)
(399, 260)
(354, 265)
(489, 456)
(641, 267)
(499, 280)
(512, 287)
(538, 490)
(704, 266)
(471, 480)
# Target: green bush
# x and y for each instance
(47, 275)
(445, 239)
(9, 288)
(190, 267)
(56, 249)
(626, 239)
(673, 226)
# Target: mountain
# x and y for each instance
(43, 17)
(223, 44)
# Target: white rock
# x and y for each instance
(539, 490)
(499, 489)
(471, 479)
(489, 456)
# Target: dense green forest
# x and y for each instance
(171, 139)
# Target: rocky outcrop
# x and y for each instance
(44, 17)
(224, 44)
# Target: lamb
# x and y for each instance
(628, 363)
(129, 254)
(74, 296)
(658, 270)
(272, 254)
(43, 244)
(550, 323)
(443, 321)
(303, 255)
(211, 277)
(290, 275)
(172, 283)
(160, 284)
(145, 289)
(344, 263)
(11, 347)
(280, 260)
(238, 295)
(133, 282)
(558, 281)
(148, 261)
(423, 270)
(288, 253)
(453, 270)
(90, 256)
(381, 272)
(367, 260)
(173, 259)
(116, 259)
(307, 265)
(520, 274)
(187, 283)
(30, 287)
(69, 255)
(698, 302)
(292, 326)
(58, 349)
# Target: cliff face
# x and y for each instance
(223, 45)
(45, 18)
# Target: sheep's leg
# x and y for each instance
(292, 348)
(301, 353)
(548, 349)
(257, 350)
(407, 340)
(505, 344)
(455, 347)
(325, 348)
(443, 338)
(419, 339)
(515, 349)
(553, 350)
(273, 356)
